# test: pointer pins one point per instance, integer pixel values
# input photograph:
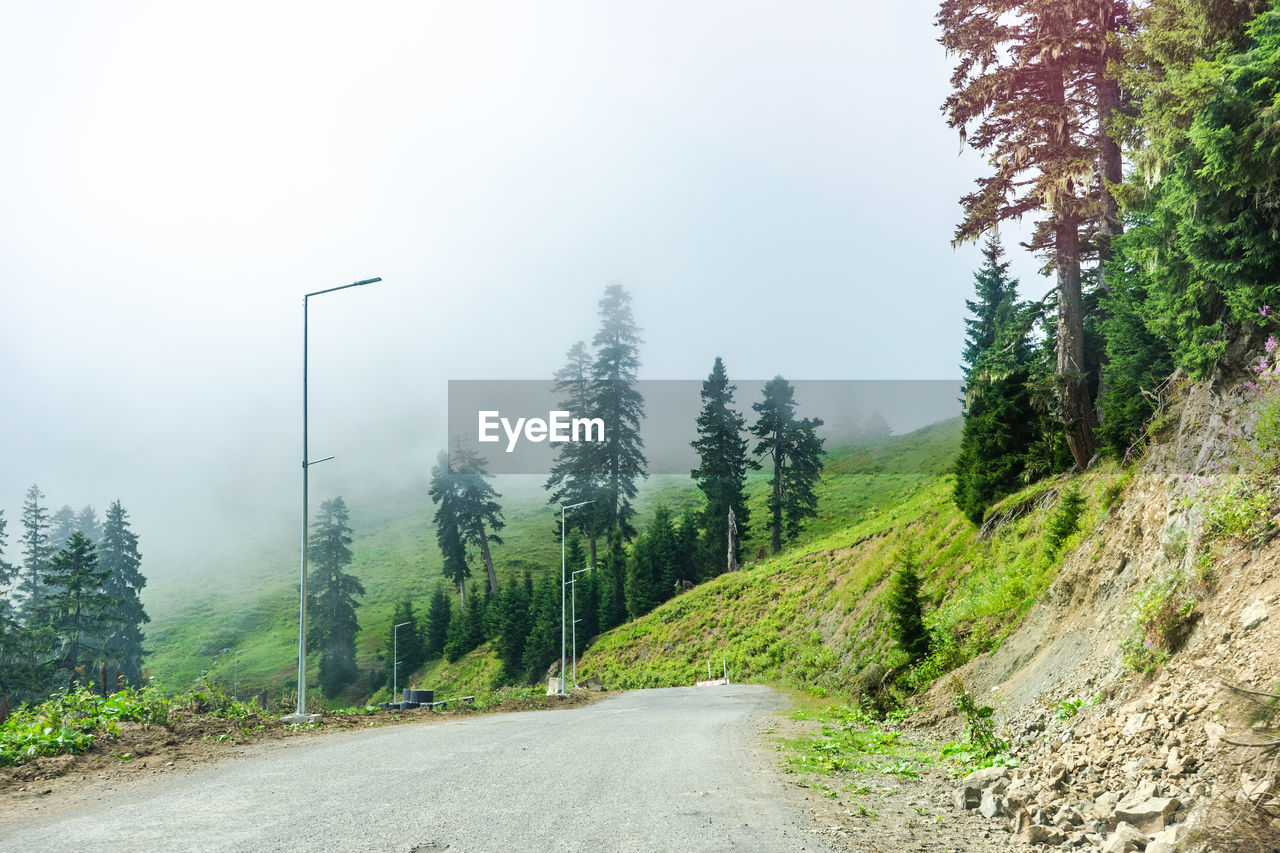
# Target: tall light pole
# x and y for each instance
(300, 715)
(563, 510)
(395, 661)
(573, 615)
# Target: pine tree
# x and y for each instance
(611, 578)
(449, 524)
(36, 552)
(722, 473)
(1204, 244)
(478, 512)
(331, 603)
(906, 613)
(651, 565)
(1028, 83)
(439, 614)
(619, 459)
(514, 600)
(999, 419)
(575, 475)
(408, 644)
(118, 555)
(61, 525)
(88, 524)
(543, 643)
(77, 607)
(466, 627)
(795, 451)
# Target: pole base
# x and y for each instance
(300, 719)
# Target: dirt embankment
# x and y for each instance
(1116, 760)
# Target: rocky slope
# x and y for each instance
(1118, 759)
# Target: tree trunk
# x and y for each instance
(591, 546)
(462, 591)
(1110, 162)
(1073, 399)
(775, 537)
(733, 542)
(488, 560)
(1073, 392)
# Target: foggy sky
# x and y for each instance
(772, 182)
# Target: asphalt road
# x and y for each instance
(650, 770)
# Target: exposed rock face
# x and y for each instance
(1135, 760)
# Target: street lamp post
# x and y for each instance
(300, 715)
(563, 510)
(395, 661)
(573, 615)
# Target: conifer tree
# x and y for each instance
(408, 643)
(331, 601)
(439, 614)
(449, 525)
(795, 453)
(543, 643)
(906, 613)
(35, 551)
(1027, 94)
(999, 420)
(611, 579)
(619, 459)
(88, 524)
(575, 475)
(61, 525)
(722, 473)
(512, 628)
(475, 505)
(652, 562)
(77, 607)
(118, 555)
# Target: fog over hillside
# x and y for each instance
(176, 180)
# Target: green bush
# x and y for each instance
(1066, 518)
(69, 722)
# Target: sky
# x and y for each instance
(772, 182)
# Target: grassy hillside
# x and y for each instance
(814, 617)
(248, 598)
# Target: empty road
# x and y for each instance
(650, 770)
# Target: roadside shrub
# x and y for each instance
(906, 613)
(70, 722)
(1066, 518)
(1164, 613)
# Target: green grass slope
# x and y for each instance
(814, 617)
(248, 599)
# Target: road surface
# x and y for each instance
(649, 770)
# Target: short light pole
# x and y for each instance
(235, 678)
(563, 510)
(573, 581)
(395, 661)
(300, 715)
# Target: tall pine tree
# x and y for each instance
(118, 555)
(439, 614)
(575, 474)
(1030, 85)
(77, 607)
(722, 473)
(795, 453)
(478, 512)
(999, 420)
(619, 459)
(449, 524)
(36, 551)
(333, 626)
